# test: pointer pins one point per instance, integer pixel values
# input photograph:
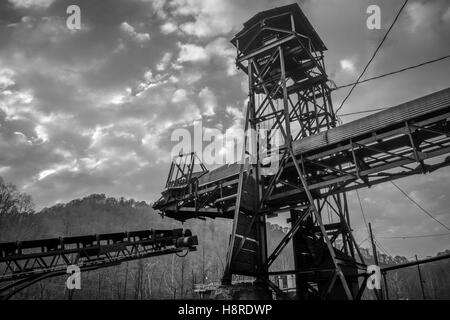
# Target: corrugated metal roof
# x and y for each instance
(219, 173)
(406, 111)
(302, 24)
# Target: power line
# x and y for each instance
(418, 236)
(362, 212)
(373, 56)
(359, 245)
(378, 244)
(393, 72)
(365, 111)
(419, 206)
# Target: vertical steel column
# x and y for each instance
(386, 289)
(300, 285)
(285, 68)
(260, 219)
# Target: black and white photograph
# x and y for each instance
(225, 156)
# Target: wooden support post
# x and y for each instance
(386, 289)
(420, 278)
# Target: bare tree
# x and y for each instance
(118, 283)
(99, 285)
(152, 268)
(171, 284)
(182, 288)
(126, 282)
(219, 259)
(13, 201)
(41, 290)
(138, 280)
(7, 197)
(193, 282)
(24, 203)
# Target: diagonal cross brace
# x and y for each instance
(286, 238)
(321, 226)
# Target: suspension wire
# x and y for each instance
(365, 111)
(362, 212)
(359, 245)
(367, 226)
(373, 55)
(418, 236)
(382, 248)
(392, 73)
(378, 244)
(420, 207)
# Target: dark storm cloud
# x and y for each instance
(93, 110)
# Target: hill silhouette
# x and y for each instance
(166, 277)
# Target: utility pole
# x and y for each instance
(386, 289)
(420, 278)
(379, 293)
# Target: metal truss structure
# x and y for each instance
(317, 162)
(182, 170)
(24, 263)
(288, 94)
(411, 138)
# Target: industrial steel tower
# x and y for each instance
(283, 58)
(307, 172)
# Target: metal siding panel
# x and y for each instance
(406, 111)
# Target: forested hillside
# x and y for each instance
(153, 278)
(166, 277)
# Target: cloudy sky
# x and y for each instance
(92, 110)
